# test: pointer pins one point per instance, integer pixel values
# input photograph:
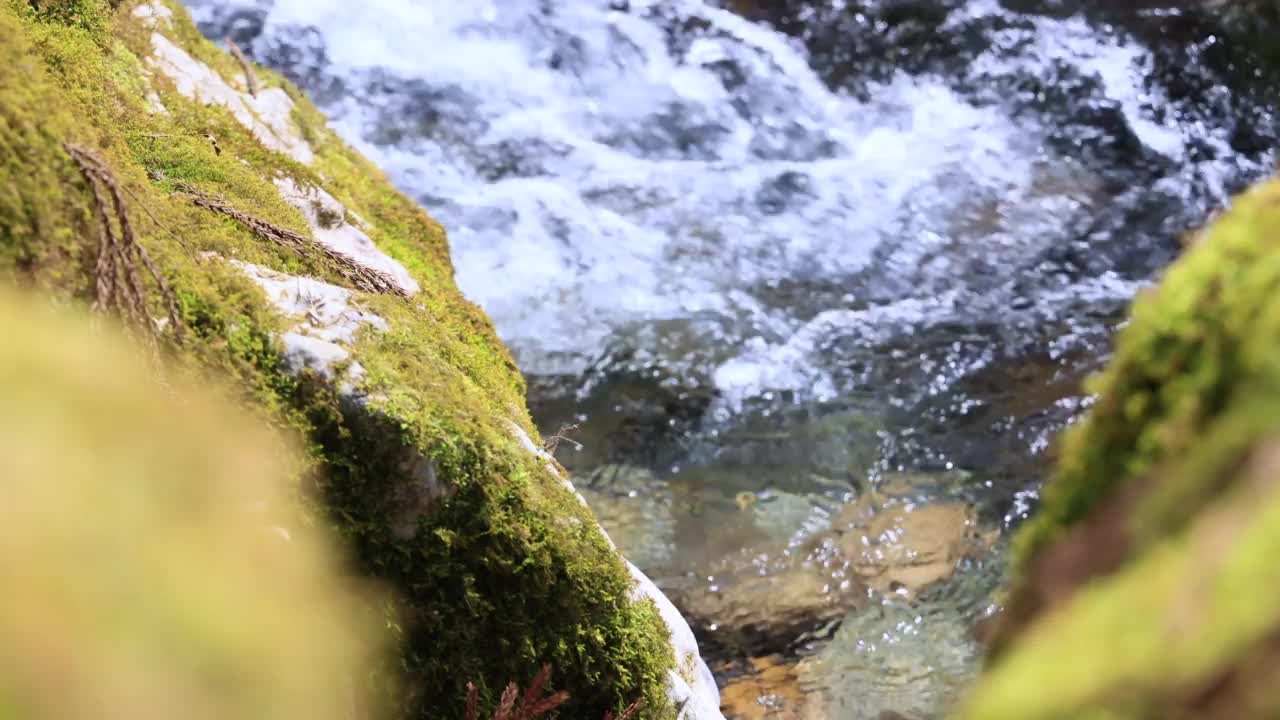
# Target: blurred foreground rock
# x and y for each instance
(154, 559)
(1143, 587)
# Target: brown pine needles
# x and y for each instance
(250, 80)
(118, 287)
(360, 276)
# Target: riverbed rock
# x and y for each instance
(905, 534)
(905, 548)
(294, 270)
(768, 689)
(895, 657)
(1140, 586)
(755, 613)
(771, 596)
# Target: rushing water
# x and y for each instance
(777, 256)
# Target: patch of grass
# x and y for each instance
(89, 16)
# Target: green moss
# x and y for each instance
(1201, 341)
(88, 16)
(509, 524)
(42, 214)
(1138, 587)
(1176, 634)
(504, 573)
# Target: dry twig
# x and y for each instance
(181, 243)
(562, 435)
(473, 697)
(250, 80)
(361, 276)
(118, 286)
(507, 705)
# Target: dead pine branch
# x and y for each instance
(118, 286)
(250, 80)
(562, 435)
(532, 705)
(181, 243)
(359, 275)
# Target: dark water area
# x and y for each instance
(804, 275)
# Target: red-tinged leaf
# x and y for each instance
(547, 704)
(632, 710)
(534, 691)
(472, 698)
(507, 704)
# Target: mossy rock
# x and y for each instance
(154, 557)
(419, 446)
(1143, 588)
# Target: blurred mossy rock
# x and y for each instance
(133, 151)
(153, 557)
(1144, 588)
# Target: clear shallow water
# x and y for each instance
(766, 257)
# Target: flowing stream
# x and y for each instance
(794, 267)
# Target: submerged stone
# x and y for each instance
(777, 593)
(768, 689)
(904, 549)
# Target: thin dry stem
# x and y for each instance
(546, 705)
(534, 691)
(359, 275)
(632, 710)
(217, 150)
(181, 243)
(529, 707)
(562, 435)
(118, 287)
(250, 80)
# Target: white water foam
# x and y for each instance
(658, 192)
(598, 168)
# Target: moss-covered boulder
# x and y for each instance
(154, 559)
(148, 174)
(1145, 587)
